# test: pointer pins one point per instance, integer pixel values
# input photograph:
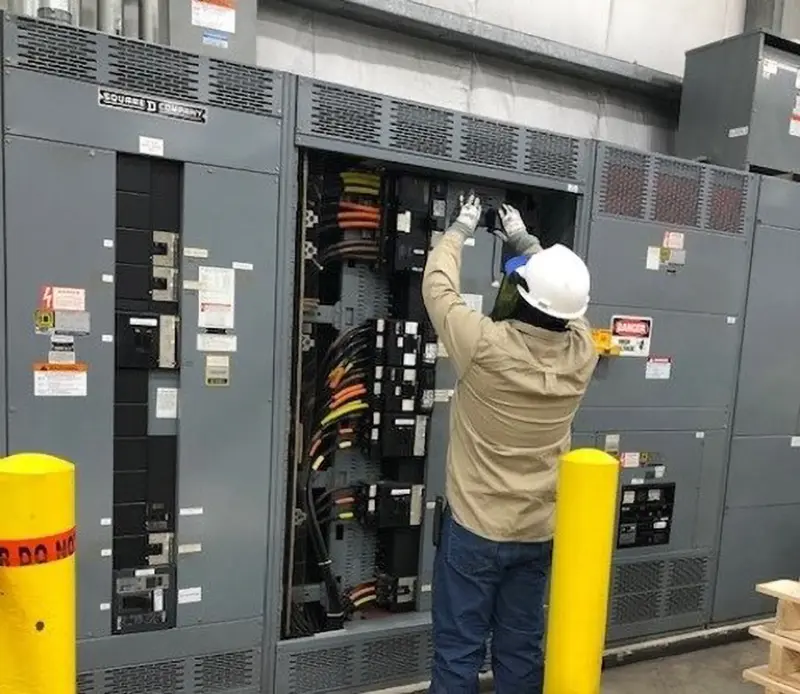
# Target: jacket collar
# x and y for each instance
(539, 333)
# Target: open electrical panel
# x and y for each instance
(366, 380)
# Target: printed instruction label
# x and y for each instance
(211, 342)
(658, 368)
(60, 380)
(219, 15)
(630, 459)
(187, 596)
(794, 119)
(632, 334)
(216, 297)
(166, 403)
(151, 146)
(62, 299)
(653, 260)
(673, 240)
(218, 370)
(795, 442)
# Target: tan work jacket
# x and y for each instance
(511, 414)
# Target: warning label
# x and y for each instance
(632, 335)
(41, 550)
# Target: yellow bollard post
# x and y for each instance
(581, 573)
(37, 575)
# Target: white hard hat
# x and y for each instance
(557, 283)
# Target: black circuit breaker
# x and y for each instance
(645, 517)
(386, 505)
(145, 466)
(402, 391)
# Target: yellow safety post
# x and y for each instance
(581, 573)
(37, 575)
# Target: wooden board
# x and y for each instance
(761, 676)
(783, 590)
(767, 633)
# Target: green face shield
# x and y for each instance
(507, 297)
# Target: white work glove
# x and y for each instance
(467, 220)
(514, 232)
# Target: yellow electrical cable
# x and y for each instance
(346, 516)
(349, 408)
(364, 601)
(360, 177)
(361, 190)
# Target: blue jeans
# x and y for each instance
(480, 588)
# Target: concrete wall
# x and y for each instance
(651, 32)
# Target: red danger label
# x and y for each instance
(631, 327)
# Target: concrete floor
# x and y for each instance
(711, 671)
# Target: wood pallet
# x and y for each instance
(782, 674)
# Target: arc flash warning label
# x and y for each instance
(632, 334)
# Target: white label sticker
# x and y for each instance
(191, 511)
(151, 146)
(107, 338)
(738, 132)
(54, 384)
(653, 260)
(190, 252)
(673, 240)
(216, 297)
(654, 495)
(108, 243)
(658, 368)
(630, 459)
(659, 525)
(64, 299)
(637, 480)
(218, 370)
(108, 279)
(190, 548)
(699, 434)
(731, 320)
(242, 266)
(795, 442)
(209, 342)
(105, 552)
(769, 67)
(794, 124)
(105, 521)
(628, 497)
(191, 285)
(632, 334)
(158, 600)
(443, 395)
(439, 208)
(190, 595)
(473, 301)
(61, 356)
(141, 573)
(612, 442)
(659, 470)
(404, 222)
(470, 241)
(105, 606)
(145, 322)
(166, 403)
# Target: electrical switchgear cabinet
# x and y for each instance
(208, 135)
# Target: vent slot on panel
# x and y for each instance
(637, 578)
(727, 203)
(345, 114)
(624, 184)
(224, 672)
(687, 572)
(153, 70)
(630, 609)
(421, 129)
(241, 88)
(685, 600)
(86, 683)
(321, 671)
(551, 155)
(56, 50)
(154, 678)
(388, 659)
(677, 193)
(489, 143)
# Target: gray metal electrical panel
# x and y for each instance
(760, 531)
(142, 205)
(669, 249)
(462, 151)
(741, 104)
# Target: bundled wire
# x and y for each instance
(361, 596)
(338, 411)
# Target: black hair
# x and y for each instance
(526, 313)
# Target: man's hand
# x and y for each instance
(514, 232)
(468, 218)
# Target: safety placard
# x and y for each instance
(658, 369)
(62, 299)
(60, 380)
(632, 335)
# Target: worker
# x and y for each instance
(519, 384)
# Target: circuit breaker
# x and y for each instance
(145, 466)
